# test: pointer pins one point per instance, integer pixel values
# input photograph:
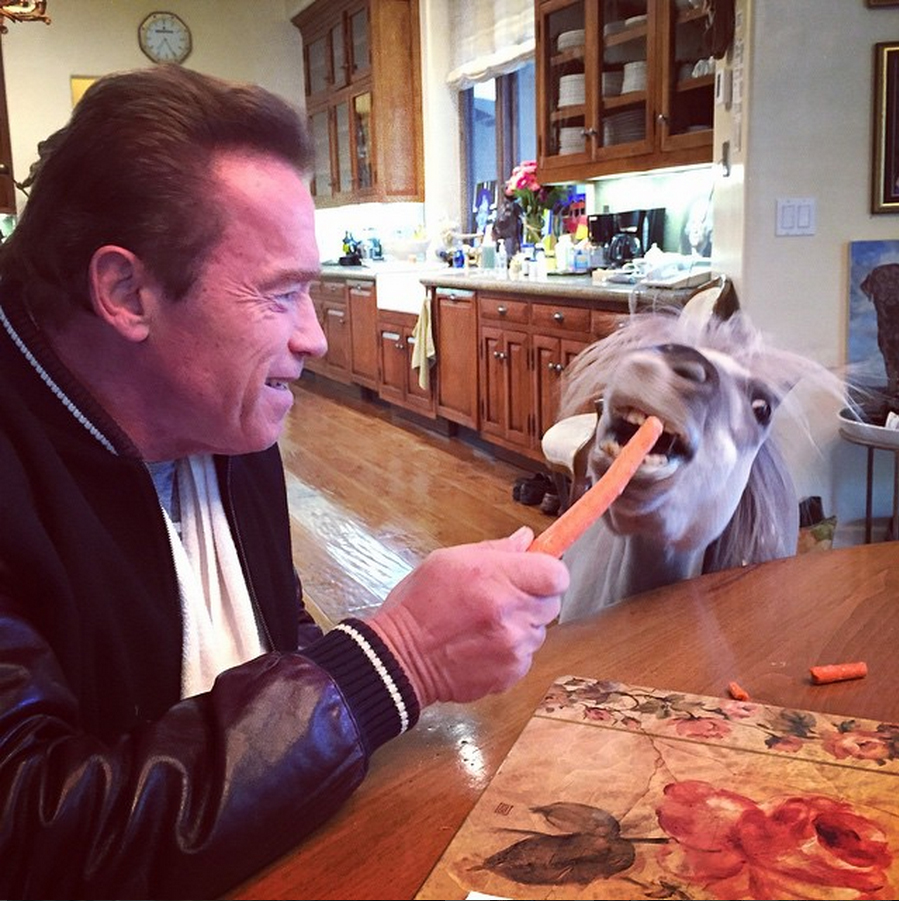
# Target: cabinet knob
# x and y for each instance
(559, 367)
(661, 118)
(559, 317)
(589, 132)
(399, 346)
(502, 310)
(499, 355)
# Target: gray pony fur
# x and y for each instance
(733, 502)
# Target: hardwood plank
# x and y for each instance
(371, 493)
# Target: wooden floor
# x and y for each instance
(371, 492)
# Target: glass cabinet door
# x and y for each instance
(564, 82)
(626, 82)
(317, 66)
(321, 140)
(339, 64)
(688, 78)
(344, 153)
(362, 138)
(360, 51)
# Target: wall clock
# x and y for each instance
(164, 38)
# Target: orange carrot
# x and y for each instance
(838, 672)
(562, 533)
(737, 692)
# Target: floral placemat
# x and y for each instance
(622, 791)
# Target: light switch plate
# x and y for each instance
(795, 216)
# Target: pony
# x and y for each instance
(715, 492)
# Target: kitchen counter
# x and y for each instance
(401, 286)
(611, 295)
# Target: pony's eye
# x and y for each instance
(762, 410)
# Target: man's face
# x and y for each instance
(225, 355)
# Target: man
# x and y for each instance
(170, 717)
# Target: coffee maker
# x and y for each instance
(627, 235)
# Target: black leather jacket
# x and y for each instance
(110, 784)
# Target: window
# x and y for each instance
(498, 129)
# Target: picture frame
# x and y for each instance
(483, 206)
(79, 84)
(885, 169)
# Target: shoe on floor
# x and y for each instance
(534, 489)
(550, 503)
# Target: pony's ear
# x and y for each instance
(765, 525)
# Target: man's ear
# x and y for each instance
(120, 289)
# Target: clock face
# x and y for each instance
(164, 38)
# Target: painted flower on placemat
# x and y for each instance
(797, 846)
(533, 198)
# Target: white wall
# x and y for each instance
(807, 132)
(231, 38)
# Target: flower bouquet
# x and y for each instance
(533, 198)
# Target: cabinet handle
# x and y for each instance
(499, 355)
(551, 366)
(559, 317)
(558, 367)
(661, 118)
(589, 132)
(502, 310)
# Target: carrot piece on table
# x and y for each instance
(838, 672)
(562, 533)
(737, 692)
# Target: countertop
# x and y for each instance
(395, 282)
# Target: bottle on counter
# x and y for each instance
(488, 249)
(502, 260)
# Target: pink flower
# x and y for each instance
(860, 743)
(798, 846)
(701, 727)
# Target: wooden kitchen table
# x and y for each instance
(762, 626)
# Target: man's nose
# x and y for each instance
(307, 337)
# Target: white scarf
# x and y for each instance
(220, 629)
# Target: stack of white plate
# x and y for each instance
(624, 127)
(634, 21)
(634, 76)
(571, 140)
(613, 27)
(568, 39)
(571, 90)
(611, 83)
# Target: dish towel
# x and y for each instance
(424, 354)
(220, 629)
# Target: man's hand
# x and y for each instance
(468, 620)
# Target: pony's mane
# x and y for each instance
(781, 370)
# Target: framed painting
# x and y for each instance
(483, 206)
(79, 84)
(873, 311)
(885, 172)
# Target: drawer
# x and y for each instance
(331, 289)
(559, 317)
(502, 310)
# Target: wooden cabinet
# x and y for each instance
(362, 65)
(523, 348)
(329, 297)
(398, 382)
(616, 90)
(455, 324)
(363, 315)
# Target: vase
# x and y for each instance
(533, 228)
